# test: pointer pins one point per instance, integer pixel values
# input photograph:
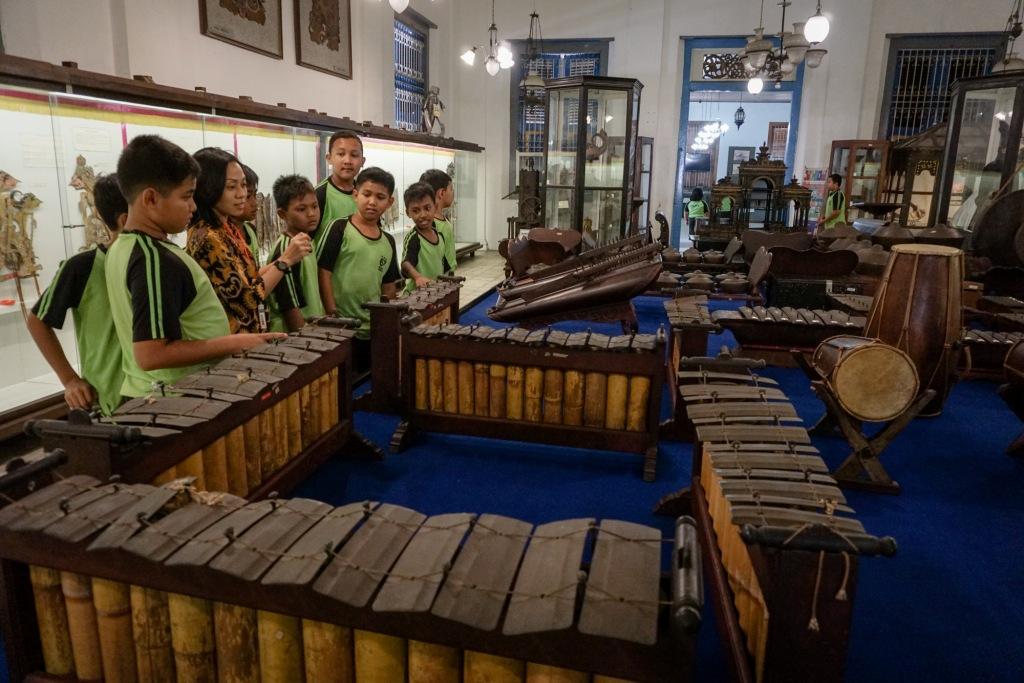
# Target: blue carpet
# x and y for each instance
(945, 608)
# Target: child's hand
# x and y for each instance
(249, 340)
(298, 248)
(79, 394)
(422, 281)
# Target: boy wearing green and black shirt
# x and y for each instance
(444, 197)
(252, 182)
(80, 286)
(358, 261)
(298, 296)
(425, 258)
(335, 193)
(169, 320)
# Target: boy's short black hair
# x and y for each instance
(837, 179)
(436, 178)
(376, 175)
(110, 202)
(344, 135)
(418, 191)
(252, 181)
(152, 161)
(289, 187)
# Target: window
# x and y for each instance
(778, 135)
(921, 70)
(410, 72)
(560, 59)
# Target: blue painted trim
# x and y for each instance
(696, 43)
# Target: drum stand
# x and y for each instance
(862, 469)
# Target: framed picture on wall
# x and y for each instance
(323, 36)
(251, 24)
(737, 155)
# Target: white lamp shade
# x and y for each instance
(534, 81)
(787, 66)
(796, 53)
(469, 56)
(755, 86)
(816, 29)
(399, 5)
(758, 58)
(504, 52)
(814, 57)
(492, 66)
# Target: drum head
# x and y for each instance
(875, 383)
(925, 249)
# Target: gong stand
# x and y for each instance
(863, 468)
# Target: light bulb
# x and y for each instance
(492, 66)
(399, 5)
(504, 53)
(724, 128)
(469, 56)
(755, 85)
(816, 29)
(608, 118)
(506, 61)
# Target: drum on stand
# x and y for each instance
(872, 381)
(917, 309)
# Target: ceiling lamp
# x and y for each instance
(817, 27)
(469, 56)
(755, 85)
(1013, 30)
(399, 5)
(492, 65)
(534, 48)
(505, 58)
(739, 117)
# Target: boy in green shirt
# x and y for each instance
(425, 256)
(335, 193)
(358, 262)
(169, 320)
(81, 286)
(835, 203)
(298, 296)
(444, 197)
(252, 183)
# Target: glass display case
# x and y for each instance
(914, 175)
(56, 143)
(591, 135)
(861, 163)
(983, 143)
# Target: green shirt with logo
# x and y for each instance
(252, 241)
(80, 286)
(836, 201)
(299, 288)
(359, 268)
(696, 208)
(334, 203)
(157, 291)
(428, 258)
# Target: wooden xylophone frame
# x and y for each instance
(771, 338)
(390, 322)
(669, 657)
(103, 451)
(467, 349)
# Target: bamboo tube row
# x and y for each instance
(248, 455)
(95, 629)
(532, 394)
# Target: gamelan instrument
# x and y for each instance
(781, 543)
(131, 582)
(390, 322)
(582, 390)
(256, 422)
(771, 333)
(986, 351)
(917, 309)
(1013, 391)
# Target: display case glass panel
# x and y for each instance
(981, 147)
(861, 163)
(56, 143)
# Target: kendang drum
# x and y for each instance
(917, 309)
(872, 381)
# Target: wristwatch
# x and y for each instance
(282, 266)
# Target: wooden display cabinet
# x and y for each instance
(862, 164)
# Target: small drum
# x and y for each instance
(1014, 364)
(917, 309)
(872, 381)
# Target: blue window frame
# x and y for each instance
(410, 75)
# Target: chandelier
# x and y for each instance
(709, 133)
(760, 59)
(1013, 30)
(534, 47)
(499, 54)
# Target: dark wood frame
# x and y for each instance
(205, 30)
(644, 443)
(882, 178)
(298, 40)
(732, 160)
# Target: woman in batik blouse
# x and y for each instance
(217, 242)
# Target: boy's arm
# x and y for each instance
(293, 320)
(156, 354)
(327, 260)
(388, 288)
(327, 291)
(78, 393)
(412, 253)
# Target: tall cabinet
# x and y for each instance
(861, 163)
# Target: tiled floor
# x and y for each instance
(482, 272)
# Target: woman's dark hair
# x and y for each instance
(418, 191)
(110, 202)
(213, 172)
(376, 175)
(697, 195)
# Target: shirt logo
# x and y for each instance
(381, 267)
